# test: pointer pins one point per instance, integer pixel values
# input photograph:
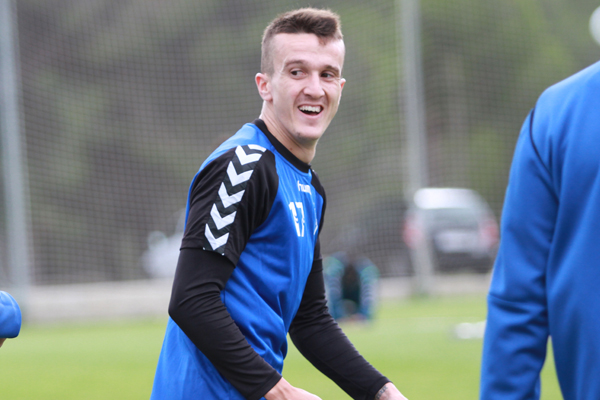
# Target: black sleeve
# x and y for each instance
(196, 307)
(229, 198)
(319, 338)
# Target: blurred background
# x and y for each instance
(116, 103)
(108, 108)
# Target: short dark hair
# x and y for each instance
(325, 24)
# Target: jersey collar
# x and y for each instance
(288, 155)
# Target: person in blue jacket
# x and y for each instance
(351, 282)
(10, 317)
(546, 280)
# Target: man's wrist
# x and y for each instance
(381, 392)
(389, 392)
(281, 388)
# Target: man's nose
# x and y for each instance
(314, 87)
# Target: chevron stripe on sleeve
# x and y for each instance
(231, 191)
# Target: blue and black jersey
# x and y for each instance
(249, 272)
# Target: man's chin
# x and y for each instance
(311, 132)
(310, 135)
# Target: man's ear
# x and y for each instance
(264, 86)
(342, 83)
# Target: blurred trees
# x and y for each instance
(124, 99)
(486, 62)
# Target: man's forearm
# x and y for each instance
(320, 340)
(197, 309)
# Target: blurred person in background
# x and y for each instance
(10, 317)
(250, 267)
(351, 281)
(546, 280)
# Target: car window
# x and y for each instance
(452, 217)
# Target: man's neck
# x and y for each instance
(304, 151)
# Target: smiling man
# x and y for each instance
(301, 85)
(250, 267)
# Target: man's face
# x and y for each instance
(303, 92)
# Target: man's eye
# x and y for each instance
(296, 72)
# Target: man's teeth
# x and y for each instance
(313, 109)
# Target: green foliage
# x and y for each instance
(485, 64)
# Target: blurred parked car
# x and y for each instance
(460, 227)
(160, 259)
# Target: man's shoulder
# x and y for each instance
(248, 137)
(581, 87)
(566, 107)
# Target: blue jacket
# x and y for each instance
(10, 316)
(546, 280)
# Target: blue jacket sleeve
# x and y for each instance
(10, 316)
(516, 335)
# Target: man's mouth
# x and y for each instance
(311, 110)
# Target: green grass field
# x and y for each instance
(411, 341)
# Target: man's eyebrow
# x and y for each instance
(293, 62)
(289, 63)
(337, 70)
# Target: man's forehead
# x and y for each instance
(297, 48)
(303, 36)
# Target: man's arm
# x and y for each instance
(318, 337)
(196, 307)
(517, 332)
